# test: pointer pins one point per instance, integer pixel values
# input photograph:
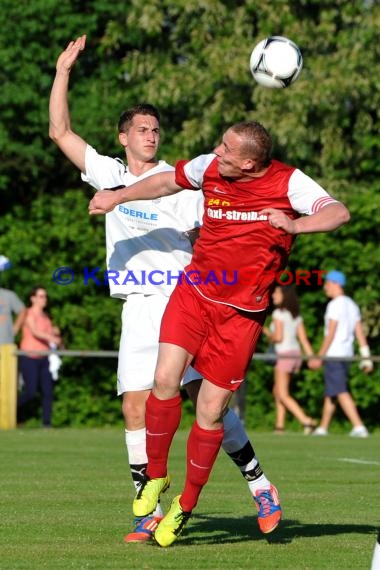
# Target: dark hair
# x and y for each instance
(289, 300)
(258, 142)
(33, 292)
(126, 118)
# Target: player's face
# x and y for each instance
(230, 161)
(143, 137)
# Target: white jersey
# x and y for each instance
(289, 331)
(146, 244)
(346, 312)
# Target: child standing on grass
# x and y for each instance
(287, 333)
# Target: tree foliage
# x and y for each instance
(191, 59)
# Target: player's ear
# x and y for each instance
(248, 164)
(123, 139)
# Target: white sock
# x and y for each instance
(260, 483)
(136, 446)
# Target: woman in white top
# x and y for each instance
(287, 333)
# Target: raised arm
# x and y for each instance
(155, 186)
(71, 144)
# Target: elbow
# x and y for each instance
(345, 215)
(57, 132)
(54, 134)
(339, 216)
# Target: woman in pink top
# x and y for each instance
(38, 333)
(288, 334)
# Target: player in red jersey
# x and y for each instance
(254, 207)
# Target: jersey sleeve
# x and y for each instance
(102, 171)
(307, 196)
(190, 173)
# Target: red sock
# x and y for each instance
(162, 419)
(202, 448)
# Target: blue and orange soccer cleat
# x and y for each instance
(268, 508)
(144, 529)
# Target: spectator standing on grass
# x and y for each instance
(10, 305)
(253, 210)
(38, 334)
(343, 325)
(288, 334)
(145, 237)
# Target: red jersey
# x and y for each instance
(238, 253)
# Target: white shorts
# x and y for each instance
(138, 350)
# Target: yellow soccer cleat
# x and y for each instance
(148, 495)
(172, 524)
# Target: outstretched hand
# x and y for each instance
(68, 57)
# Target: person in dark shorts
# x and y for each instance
(343, 325)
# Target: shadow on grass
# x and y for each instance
(204, 529)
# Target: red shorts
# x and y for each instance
(221, 338)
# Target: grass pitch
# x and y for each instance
(65, 503)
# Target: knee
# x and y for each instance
(209, 414)
(166, 384)
(134, 413)
(282, 394)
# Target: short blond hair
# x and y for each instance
(257, 143)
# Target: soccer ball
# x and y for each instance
(276, 62)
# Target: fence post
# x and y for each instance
(8, 386)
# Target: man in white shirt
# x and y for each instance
(147, 247)
(342, 325)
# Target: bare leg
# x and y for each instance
(134, 409)
(282, 381)
(348, 406)
(280, 412)
(327, 413)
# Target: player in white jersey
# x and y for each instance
(342, 325)
(147, 247)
